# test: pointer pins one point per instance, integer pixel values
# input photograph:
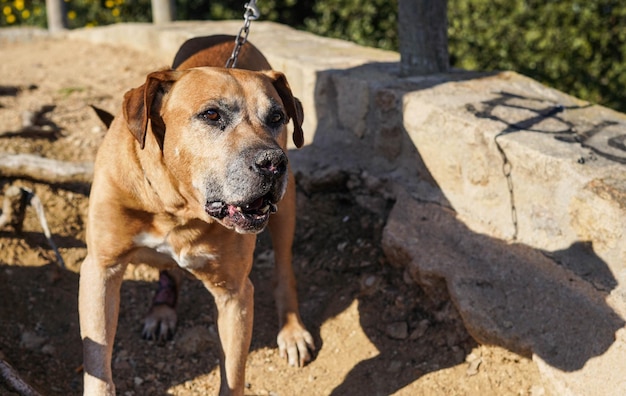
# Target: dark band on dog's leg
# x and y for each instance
(167, 292)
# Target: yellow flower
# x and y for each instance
(19, 5)
(6, 10)
(10, 19)
(115, 12)
(71, 15)
(25, 14)
(109, 4)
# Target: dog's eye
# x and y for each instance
(276, 118)
(211, 115)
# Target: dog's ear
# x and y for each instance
(143, 103)
(293, 106)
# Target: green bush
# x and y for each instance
(288, 12)
(372, 22)
(577, 46)
(79, 13)
(23, 12)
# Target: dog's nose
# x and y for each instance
(271, 163)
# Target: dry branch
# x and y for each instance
(16, 200)
(45, 170)
(12, 378)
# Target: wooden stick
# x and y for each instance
(13, 209)
(45, 170)
(16, 200)
(12, 378)
(36, 204)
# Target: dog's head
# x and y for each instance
(221, 136)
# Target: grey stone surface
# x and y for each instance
(510, 196)
(512, 295)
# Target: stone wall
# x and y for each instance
(510, 196)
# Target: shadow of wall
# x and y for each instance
(551, 304)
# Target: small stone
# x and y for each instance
(31, 340)
(406, 278)
(472, 369)
(138, 381)
(420, 330)
(394, 366)
(48, 350)
(370, 281)
(471, 357)
(265, 259)
(397, 330)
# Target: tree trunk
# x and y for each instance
(423, 36)
(163, 11)
(57, 19)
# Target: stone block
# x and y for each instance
(513, 295)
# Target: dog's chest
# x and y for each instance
(182, 256)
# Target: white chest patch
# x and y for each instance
(182, 258)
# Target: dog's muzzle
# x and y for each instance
(266, 180)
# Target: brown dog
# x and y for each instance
(188, 173)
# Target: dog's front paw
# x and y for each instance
(295, 344)
(160, 323)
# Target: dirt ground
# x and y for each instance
(376, 334)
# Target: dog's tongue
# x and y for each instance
(251, 207)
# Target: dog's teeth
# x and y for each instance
(273, 208)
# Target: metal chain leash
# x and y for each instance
(507, 168)
(252, 13)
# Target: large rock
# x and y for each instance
(509, 294)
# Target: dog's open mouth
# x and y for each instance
(249, 217)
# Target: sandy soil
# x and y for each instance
(376, 333)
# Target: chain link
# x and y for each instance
(252, 13)
(507, 169)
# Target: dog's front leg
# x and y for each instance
(234, 299)
(98, 306)
(234, 324)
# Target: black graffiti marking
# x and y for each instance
(551, 110)
(618, 142)
(547, 110)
